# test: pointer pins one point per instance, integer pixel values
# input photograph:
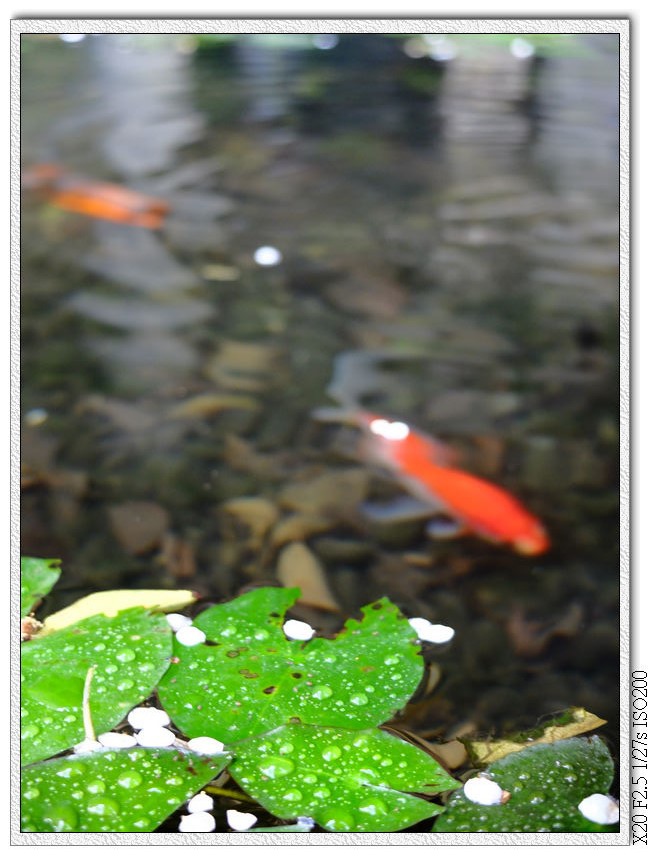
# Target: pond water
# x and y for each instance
(428, 228)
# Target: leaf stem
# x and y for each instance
(89, 730)
(228, 794)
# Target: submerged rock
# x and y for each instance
(138, 526)
(247, 366)
(298, 527)
(337, 492)
(205, 405)
(343, 550)
(298, 567)
(253, 514)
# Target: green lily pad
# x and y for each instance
(112, 791)
(129, 652)
(249, 678)
(346, 780)
(546, 784)
(37, 576)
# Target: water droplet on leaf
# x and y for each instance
(61, 817)
(330, 753)
(30, 731)
(322, 692)
(276, 767)
(374, 807)
(103, 806)
(292, 796)
(337, 820)
(129, 779)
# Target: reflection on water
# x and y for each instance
(448, 238)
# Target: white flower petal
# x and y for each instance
(87, 746)
(190, 636)
(240, 821)
(200, 802)
(600, 809)
(116, 740)
(431, 633)
(201, 821)
(177, 621)
(155, 737)
(483, 791)
(206, 745)
(296, 630)
(147, 716)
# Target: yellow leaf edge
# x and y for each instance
(113, 602)
(579, 721)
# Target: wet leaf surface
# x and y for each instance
(347, 781)
(37, 576)
(496, 225)
(546, 784)
(130, 652)
(112, 791)
(249, 678)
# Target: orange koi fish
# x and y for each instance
(96, 199)
(419, 463)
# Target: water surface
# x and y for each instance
(448, 240)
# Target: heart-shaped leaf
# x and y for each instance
(112, 791)
(249, 678)
(129, 652)
(346, 780)
(546, 784)
(37, 576)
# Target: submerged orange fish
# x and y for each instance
(96, 199)
(419, 464)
